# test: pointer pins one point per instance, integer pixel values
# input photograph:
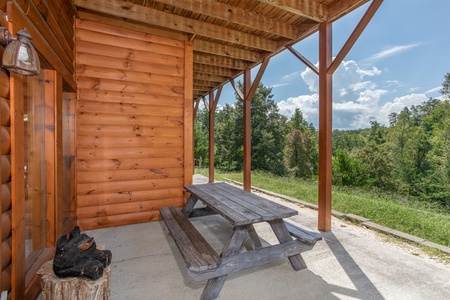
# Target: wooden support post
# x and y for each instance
(247, 131)
(188, 115)
(212, 110)
(325, 126)
(249, 92)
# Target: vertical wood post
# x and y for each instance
(17, 189)
(247, 131)
(325, 126)
(188, 115)
(211, 136)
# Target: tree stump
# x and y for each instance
(74, 288)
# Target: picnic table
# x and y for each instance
(242, 209)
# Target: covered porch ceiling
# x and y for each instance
(228, 36)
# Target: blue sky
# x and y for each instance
(399, 60)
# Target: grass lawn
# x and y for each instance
(397, 212)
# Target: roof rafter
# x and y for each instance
(235, 15)
(153, 17)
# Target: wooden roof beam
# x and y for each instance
(153, 17)
(234, 15)
(310, 9)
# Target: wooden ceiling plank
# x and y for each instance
(130, 26)
(343, 7)
(220, 61)
(153, 17)
(214, 70)
(227, 51)
(209, 77)
(310, 9)
(235, 15)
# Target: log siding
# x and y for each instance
(130, 135)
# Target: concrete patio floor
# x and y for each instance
(349, 263)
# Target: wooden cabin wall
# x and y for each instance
(51, 25)
(134, 98)
(5, 204)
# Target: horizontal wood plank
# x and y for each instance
(124, 175)
(128, 197)
(127, 186)
(238, 206)
(118, 31)
(118, 220)
(127, 163)
(132, 87)
(127, 120)
(129, 131)
(129, 153)
(250, 259)
(197, 253)
(128, 75)
(126, 142)
(126, 97)
(302, 233)
(126, 208)
(129, 109)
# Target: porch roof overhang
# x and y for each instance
(229, 36)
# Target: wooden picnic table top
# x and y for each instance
(239, 207)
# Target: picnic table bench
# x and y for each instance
(242, 209)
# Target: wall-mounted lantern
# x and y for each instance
(19, 56)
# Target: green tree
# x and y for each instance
(376, 166)
(268, 134)
(445, 91)
(301, 148)
(201, 138)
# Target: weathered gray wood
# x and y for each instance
(251, 259)
(197, 253)
(201, 212)
(302, 233)
(213, 288)
(283, 236)
(189, 206)
(254, 237)
(238, 206)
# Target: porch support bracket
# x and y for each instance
(249, 92)
(211, 113)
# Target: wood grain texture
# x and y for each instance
(131, 116)
(197, 253)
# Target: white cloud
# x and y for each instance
(391, 51)
(279, 85)
(398, 104)
(434, 90)
(356, 100)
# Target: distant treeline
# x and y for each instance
(411, 156)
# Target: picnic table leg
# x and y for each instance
(254, 237)
(231, 247)
(189, 206)
(283, 235)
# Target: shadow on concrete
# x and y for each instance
(364, 288)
